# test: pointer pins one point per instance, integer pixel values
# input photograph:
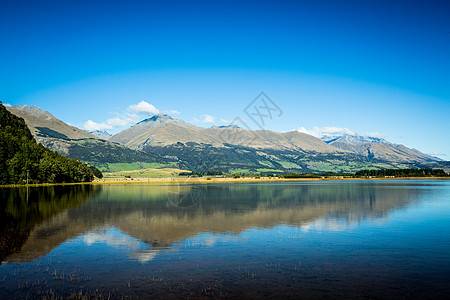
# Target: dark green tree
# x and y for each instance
(22, 159)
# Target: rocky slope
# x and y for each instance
(43, 125)
(163, 140)
(76, 143)
(162, 130)
(101, 134)
(378, 148)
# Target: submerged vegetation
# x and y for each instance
(23, 160)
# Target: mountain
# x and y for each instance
(76, 143)
(23, 160)
(162, 130)
(163, 141)
(101, 134)
(378, 148)
(234, 149)
(43, 125)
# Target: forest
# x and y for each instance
(23, 160)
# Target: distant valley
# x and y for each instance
(161, 141)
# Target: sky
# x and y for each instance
(326, 67)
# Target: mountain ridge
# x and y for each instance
(163, 131)
(73, 142)
(104, 135)
(374, 147)
(43, 124)
(24, 160)
(161, 139)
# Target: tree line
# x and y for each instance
(402, 172)
(24, 160)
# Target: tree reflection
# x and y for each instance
(163, 215)
(23, 209)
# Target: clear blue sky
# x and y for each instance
(368, 66)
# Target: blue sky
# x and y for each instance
(371, 67)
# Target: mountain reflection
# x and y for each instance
(23, 210)
(35, 222)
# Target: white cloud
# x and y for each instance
(7, 104)
(225, 121)
(208, 119)
(174, 112)
(92, 126)
(437, 154)
(327, 224)
(145, 255)
(117, 121)
(133, 116)
(326, 131)
(144, 108)
(111, 238)
(377, 135)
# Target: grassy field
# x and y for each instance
(144, 173)
(116, 167)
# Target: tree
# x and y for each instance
(22, 158)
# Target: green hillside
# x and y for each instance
(238, 159)
(22, 158)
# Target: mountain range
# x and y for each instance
(163, 141)
(76, 143)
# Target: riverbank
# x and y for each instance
(209, 180)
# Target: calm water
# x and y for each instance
(347, 239)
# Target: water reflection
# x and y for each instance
(27, 210)
(366, 239)
(160, 216)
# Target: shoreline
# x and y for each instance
(211, 180)
(205, 180)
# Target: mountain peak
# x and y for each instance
(35, 111)
(44, 126)
(360, 139)
(354, 139)
(234, 126)
(101, 134)
(157, 118)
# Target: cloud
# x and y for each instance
(225, 121)
(145, 255)
(93, 126)
(208, 119)
(144, 108)
(174, 112)
(7, 105)
(123, 120)
(327, 224)
(437, 154)
(377, 135)
(320, 132)
(110, 238)
(117, 121)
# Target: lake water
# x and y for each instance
(328, 239)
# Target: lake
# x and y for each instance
(372, 239)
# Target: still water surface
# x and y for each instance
(346, 239)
